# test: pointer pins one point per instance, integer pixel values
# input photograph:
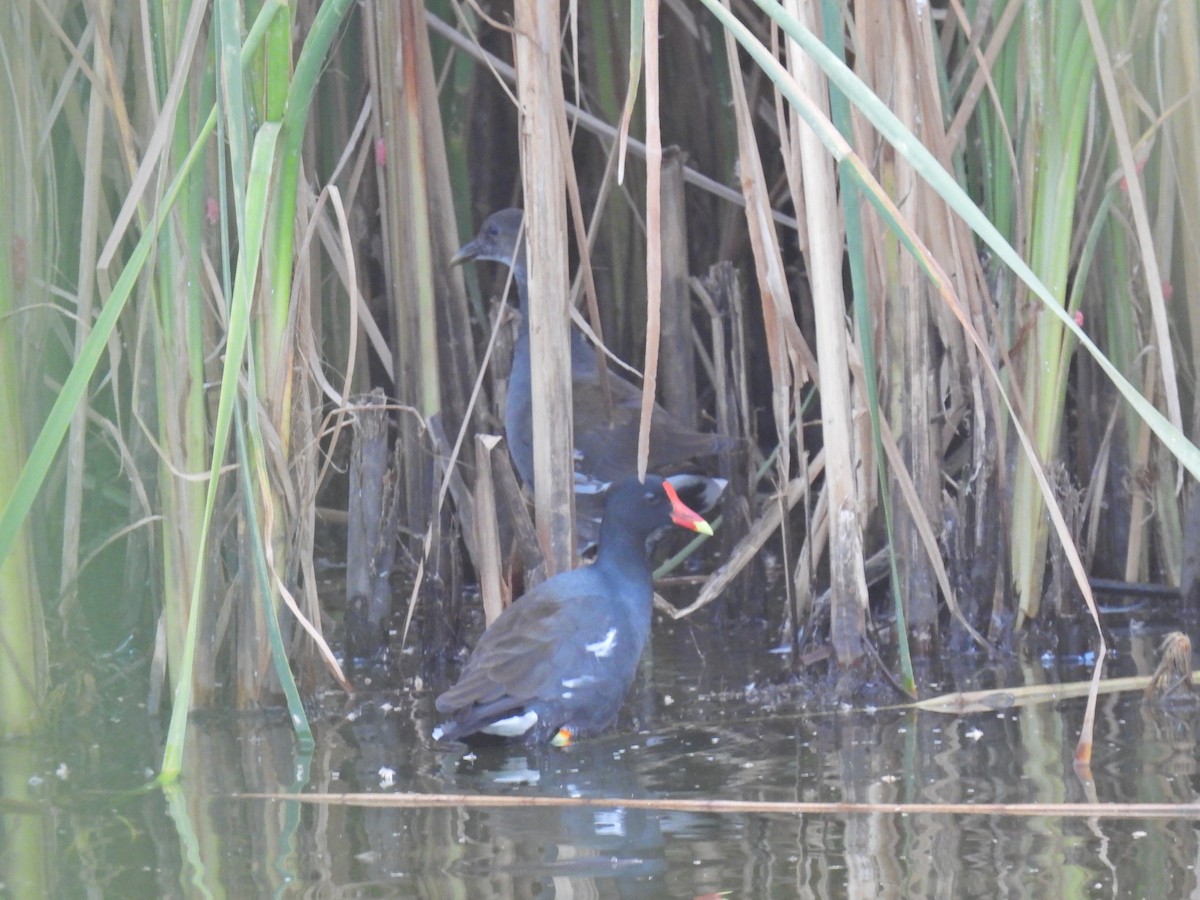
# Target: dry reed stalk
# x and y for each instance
(488, 559)
(1178, 68)
(719, 371)
(543, 166)
(933, 360)
(456, 356)
(654, 265)
(94, 151)
(823, 265)
(994, 700)
(747, 807)
(525, 542)
(907, 362)
(924, 533)
(784, 343)
(679, 375)
(397, 78)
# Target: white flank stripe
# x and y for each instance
(513, 725)
(604, 648)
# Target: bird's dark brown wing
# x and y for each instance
(519, 656)
(607, 444)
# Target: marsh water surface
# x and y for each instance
(706, 721)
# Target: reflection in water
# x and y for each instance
(550, 852)
(74, 824)
(26, 838)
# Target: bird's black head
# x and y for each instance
(642, 508)
(500, 239)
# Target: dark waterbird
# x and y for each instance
(556, 665)
(605, 445)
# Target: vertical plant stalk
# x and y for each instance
(179, 334)
(936, 364)
(289, 102)
(309, 65)
(824, 266)
(790, 359)
(543, 173)
(259, 181)
(1061, 65)
(251, 452)
(1168, 518)
(487, 534)
(415, 228)
(183, 334)
(1092, 12)
(270, 78)
(238, 107)
(1181, 75)
(49, 439)
(856, 258)
(22, 632)
(284, 509)
(398, 80)
(679, 374)
(637, 21)
(97, 122)
(653, 235)
(23, 652)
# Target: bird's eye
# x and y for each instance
(493, 230)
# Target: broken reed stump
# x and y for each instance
(371, 531)
(1171, 684)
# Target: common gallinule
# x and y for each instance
(557, 663)
(605, 448)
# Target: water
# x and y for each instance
(76, 823)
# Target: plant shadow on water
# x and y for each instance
(690, 731)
